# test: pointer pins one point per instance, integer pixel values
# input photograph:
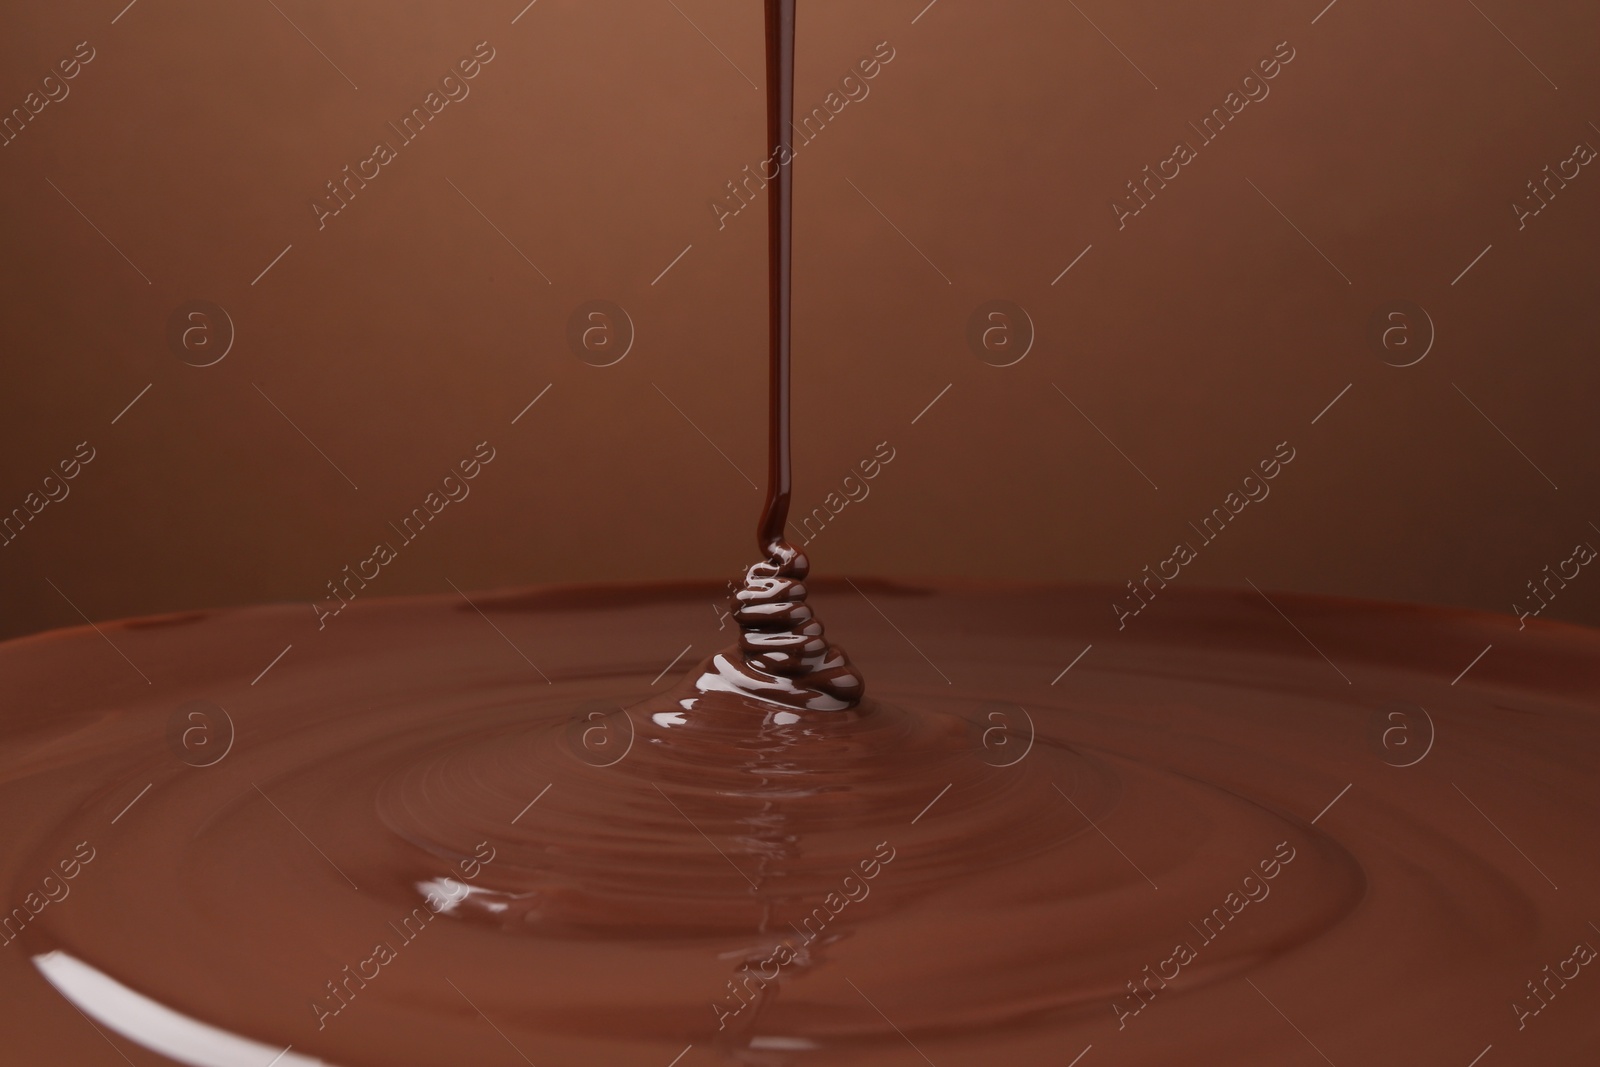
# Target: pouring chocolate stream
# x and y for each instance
(782, 656)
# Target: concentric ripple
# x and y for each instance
(412, 835)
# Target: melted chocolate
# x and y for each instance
(782, 656)
(999, 870)
(410, 854)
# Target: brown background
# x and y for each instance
(408, 329)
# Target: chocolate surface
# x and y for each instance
(1052, 866)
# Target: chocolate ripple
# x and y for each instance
(610, 879)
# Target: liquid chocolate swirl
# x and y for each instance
(781, 657)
